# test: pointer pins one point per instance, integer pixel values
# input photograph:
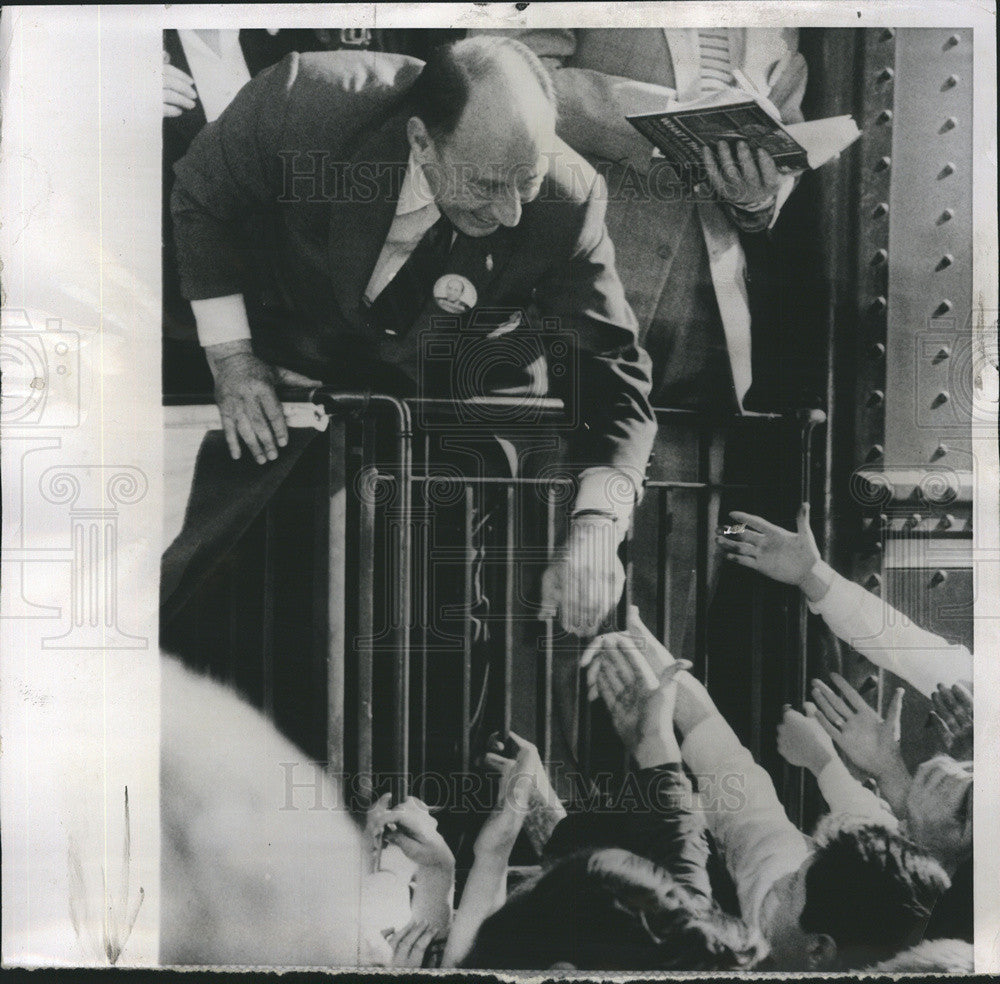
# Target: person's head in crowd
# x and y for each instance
(930, 957)
(863, 895)
(939, 809)
(484, 114)
(608, 909)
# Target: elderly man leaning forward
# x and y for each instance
(313, 221)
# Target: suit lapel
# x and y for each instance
(359, 223)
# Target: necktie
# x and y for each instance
(405, 296)
(714, 60)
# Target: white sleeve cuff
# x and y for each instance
(220, 334)
(608, 488)
(844, 794)
(823, 572)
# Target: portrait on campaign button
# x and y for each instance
(454, 293)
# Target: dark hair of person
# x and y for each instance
(441, 91)
(871, 890)
(608, 909)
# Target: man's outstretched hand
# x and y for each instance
(776, 553)
(585, 580)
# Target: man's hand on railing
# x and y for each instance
(248, 403)
(585, 580)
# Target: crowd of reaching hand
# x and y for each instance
(881, 884)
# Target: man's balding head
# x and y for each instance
(454, 71)
(484, 117)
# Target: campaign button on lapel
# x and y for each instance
(454, 293)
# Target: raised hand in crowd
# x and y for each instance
(952, 716)
(802, 741)
(178, 89)
(525, 798)
(775, 552)
(869, 742)
(410, 943)
(412, 829)
(639, 699)
(523, 785)
(939, 810)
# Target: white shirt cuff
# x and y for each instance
(823, 572)
(219, 334)
(607, 488)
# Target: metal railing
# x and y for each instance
(376, 623)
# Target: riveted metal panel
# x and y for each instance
(927, 394)
(939, 599)
(875, 176)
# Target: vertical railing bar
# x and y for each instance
(701, 564)
(425, 574)
(267, 615)
(468, 561)
(508, 618)
(425, 603)
(547, 667)
(336, 610)
(756, 668)
(366, 614)
(662, 566)
(807, 420)
(403, 541)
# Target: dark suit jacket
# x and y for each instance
(287, 198)
(260, 50)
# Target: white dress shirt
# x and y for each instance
(416, 212)
(217, 76)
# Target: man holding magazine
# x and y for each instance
(678, 248)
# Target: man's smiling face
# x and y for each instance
(496, 158)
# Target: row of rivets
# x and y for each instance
(947, 260)
(914, 521)
(872, 271)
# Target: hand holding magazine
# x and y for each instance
(683, 133)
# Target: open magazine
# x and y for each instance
(682, 133)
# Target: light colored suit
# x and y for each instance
(603, 74)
